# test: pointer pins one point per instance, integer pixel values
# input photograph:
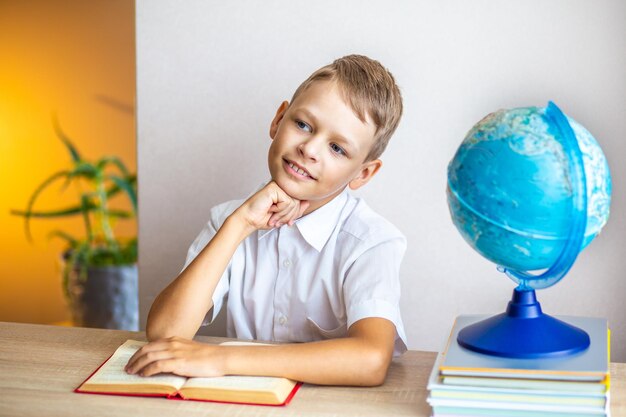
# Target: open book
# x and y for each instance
(110, 378)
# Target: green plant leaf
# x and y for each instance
(127, 187)
(132, 179)
(70, 211)
(84, 203)
(103, 162)
(84, 169)
(33, 198)
(68, 143)
(65, 236)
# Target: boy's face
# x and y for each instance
(319, 146)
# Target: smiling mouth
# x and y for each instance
(298, 170)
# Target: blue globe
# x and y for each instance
(529, 188)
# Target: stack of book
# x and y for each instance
(466, 383)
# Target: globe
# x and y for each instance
(514, 193)
(528, 189)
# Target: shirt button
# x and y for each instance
(282, 320)
(286, 263)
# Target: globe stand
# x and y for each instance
(523, 332)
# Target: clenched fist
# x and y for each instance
(270, 207)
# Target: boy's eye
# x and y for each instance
(303, 126)
(337, 149)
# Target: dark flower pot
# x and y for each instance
(107, 298)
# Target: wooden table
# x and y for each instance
(40, 366)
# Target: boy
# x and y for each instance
(301, 260)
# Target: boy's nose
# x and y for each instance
(310, 149)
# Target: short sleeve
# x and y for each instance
(372, 287)
(205, 236)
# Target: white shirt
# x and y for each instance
(313, 280)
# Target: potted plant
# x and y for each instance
(99, 270)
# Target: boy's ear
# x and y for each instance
(277, 119)
(368, 170)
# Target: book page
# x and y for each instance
(244, 343)
(112, 372)
(243, 383)
(236, 388)
(239, 389)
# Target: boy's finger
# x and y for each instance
(278, 221)
(272, 220)
(157, 367)
(289, 215)
(278, 211)
(146, 359)
(293, 214)
(298, 214)
(303, 206)
(285, 212)
(142, 351)
(280, 206)
(275, 219)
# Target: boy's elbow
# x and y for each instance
(152, 334)
(158, 329)
(154, 328)
(162, 329)
(376, 364)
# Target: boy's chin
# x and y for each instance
(291, 189)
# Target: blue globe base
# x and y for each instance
(523, 332)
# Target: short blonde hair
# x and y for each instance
(369, 88)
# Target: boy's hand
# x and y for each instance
(271, 207)
(177, 356)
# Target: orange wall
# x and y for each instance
(76, 58)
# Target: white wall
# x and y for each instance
(211, 75)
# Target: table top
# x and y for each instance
(41, 365)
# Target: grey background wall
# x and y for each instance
(210, 76)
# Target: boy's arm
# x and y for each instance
(180, 308)
(362, 358)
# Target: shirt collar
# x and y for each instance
(317, 226)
